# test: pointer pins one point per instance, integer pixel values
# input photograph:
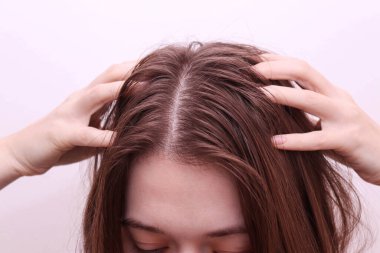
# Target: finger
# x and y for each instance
(305, 100)
(315, 140)
(116, 72)
(92, 137)
(271, 57)
(287, 68)
(92, 99)
(277, 57)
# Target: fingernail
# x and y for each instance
(278, 139)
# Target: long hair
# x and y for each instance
(200, 103)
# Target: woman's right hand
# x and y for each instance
(64, 135)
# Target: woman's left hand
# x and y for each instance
(346, 130)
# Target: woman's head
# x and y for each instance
(183, 207)
(193, 156)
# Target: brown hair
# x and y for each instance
(201, 104)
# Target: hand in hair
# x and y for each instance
(344, 130)
(66, 134)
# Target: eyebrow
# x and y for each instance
(217, 233)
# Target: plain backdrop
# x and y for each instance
(48, 49)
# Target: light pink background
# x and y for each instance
(48, 49)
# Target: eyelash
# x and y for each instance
(160, 250)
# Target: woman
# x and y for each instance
(190, 166)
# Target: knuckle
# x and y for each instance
(94, 93)
(345, 94)
(352, 132)
(74, 95)
(113, 67)
(114, 70)
(351, 112)
(67, 104)
(302, 68)
(322, 141)
(311, 97)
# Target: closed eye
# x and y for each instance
(159, 250)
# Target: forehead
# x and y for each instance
(178, 197)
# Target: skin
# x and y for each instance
(174, 206)
(351, 136)
(64, 137)
(181, 208)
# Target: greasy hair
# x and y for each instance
(200, 103)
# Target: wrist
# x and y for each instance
(8, 165)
